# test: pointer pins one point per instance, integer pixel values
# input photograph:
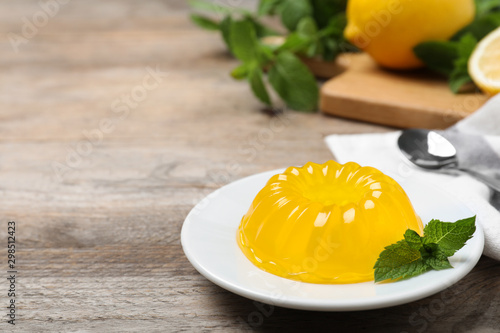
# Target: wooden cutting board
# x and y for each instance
(364, 91)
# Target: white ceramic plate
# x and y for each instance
(209, 242)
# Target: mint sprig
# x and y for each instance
(314, 29)
(292, 12)
(449, 58)
(294, 83)
(450, 237)
(415, 254)
(289, 77)
(460, 74)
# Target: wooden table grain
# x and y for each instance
(116, 118)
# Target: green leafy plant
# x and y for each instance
(415, 255)
(450, 58)
(314, 30)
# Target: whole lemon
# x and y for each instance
(388, 30)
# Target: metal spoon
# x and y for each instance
(429, 150)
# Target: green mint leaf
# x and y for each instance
(438, 55)
(225, 28)
(260, 29)
(307, 27)
(324, 10)
(429, 250)
(413, 239)
(415, 255)
(292, 12)
(466, 46)
(205, 22)
(449, 58)
(332, 38)
(399, 261)
(331, 49)
(460, 74)
(313, 50)
(240, 72)
(458, 79)
(450, 237)
(243, 41)
(266, 55)
(335, 27)
(304, 39)
(438, 264)
(295, 43)
(435, 257)
(485, 7)
(268, 7)
(493, 17)
(480, 27)
(257, 85)
(293, 82)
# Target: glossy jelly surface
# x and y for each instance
(325, 223)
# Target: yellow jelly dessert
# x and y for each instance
(325, 223)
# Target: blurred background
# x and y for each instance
(116, 118)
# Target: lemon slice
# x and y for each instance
(484, 64)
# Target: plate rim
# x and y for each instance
(353, 304)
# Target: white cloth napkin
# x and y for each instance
(482, 152)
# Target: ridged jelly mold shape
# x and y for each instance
(325, 223)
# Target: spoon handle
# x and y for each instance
(488, 180)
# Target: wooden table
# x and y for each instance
(116, 117)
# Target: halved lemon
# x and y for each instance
(484, 64)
